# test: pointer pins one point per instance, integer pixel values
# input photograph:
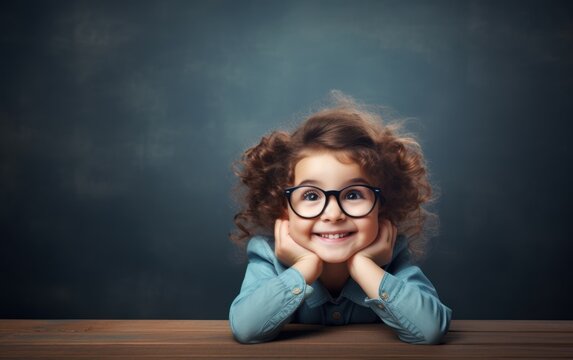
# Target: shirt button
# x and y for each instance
(385, 296)
(380, 306)
(336, 316)
(296, 291)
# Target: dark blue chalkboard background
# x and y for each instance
(119, 121)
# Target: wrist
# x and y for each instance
(356, 263)
(310, 268)
(367, 274)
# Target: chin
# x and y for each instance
(333, 259)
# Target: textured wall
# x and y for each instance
(119, 121)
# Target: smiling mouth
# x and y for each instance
(333, 237)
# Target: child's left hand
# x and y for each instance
(381, 249)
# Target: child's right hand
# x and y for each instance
(292, 254)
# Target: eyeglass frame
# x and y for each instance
(336, 193)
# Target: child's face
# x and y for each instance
(321, 234)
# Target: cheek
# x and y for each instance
(370, 229)
(373, 223)
(299, 228)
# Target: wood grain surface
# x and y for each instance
(168, 339)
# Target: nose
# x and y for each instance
(332, 212)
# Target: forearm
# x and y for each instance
(367, 274)
(415, 312)
(259, 313)
(404, 303)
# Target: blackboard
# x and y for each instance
(119, 122)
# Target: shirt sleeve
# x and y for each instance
(267, 299)
(409, 303)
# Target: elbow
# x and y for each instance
(245, 329)
(437, 330)
(431, 332)
(428, 336)
(434, 336)
(244, 337)
(247, 332)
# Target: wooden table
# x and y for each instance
(165, 339)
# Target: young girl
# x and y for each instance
(343, 195)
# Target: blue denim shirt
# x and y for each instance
(273, 295)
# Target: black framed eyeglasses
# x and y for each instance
(355, 200)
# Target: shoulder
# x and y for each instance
(259, 244)
(261, 247)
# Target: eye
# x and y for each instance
(311, 195)
(354, 194)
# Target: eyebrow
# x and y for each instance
(353, 181)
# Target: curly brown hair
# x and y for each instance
(394, 160)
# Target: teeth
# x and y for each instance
(334, 236)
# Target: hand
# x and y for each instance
(365, 266)
(292, 254)
(286, 249)
(381, 249)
